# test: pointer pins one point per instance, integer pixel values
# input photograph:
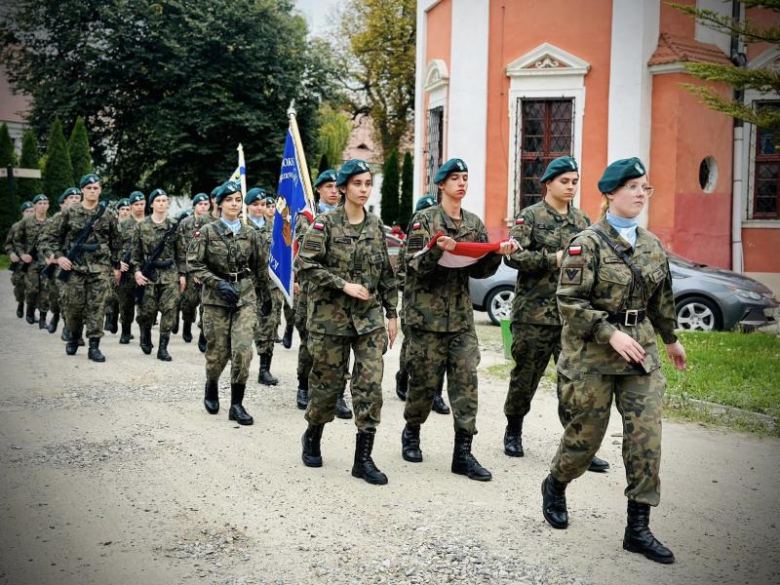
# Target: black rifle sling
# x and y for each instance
(636, 273)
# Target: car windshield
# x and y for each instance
(684, 261)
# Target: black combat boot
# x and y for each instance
(638, 537)
(107, 322)
(439, 406)
(342, 410)
(598, 465)
(54, 323)
(302, 397)
(175, 328)
(94, 352)
(80, 341)
(513, 436)
(113, 323)
(310, 441)
(288, 335)
(124, 339)
(554, 502)
(401, 384)
(20, 310)
(73, 344)
(211, 400)
(146, 340)
(162, 350)
(30, 314)
(410, 444)
(42, 321)
(202, 345)
(264, 376)
(186, 331)
(237, 412)
(66, 336)
(364, 466)
(463, 462)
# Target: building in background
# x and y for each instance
(508, 85)
(13, 109)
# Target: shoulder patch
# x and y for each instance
(416, 225)
(575, 250)
(414, 243)
(318, 225)
(520, 221)
(571, 275)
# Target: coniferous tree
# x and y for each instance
(324, 164)
(58, 175)
(390, 189)
(405, 211)
(78, 147)
(9, 211)
(28, 188)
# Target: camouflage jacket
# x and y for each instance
(594, 283)
(28, 236)
(437, 298)
(216, 252)
(302, 224)
(263, 283)
(9, 238)
(334, 253)
(541, 232)
(64, 229)
(188, 227)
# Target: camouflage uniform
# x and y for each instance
(17, 278)
(84, 295)
(214, 255)
(190, 300)
(126, 289)
(333, 253)
(305, 361)
(27, 240)
(162, 293)
(439, 319)
(54, 284)
(536, 326)
(595, 287)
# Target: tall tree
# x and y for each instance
(390, 189)
(29, 160)
(378, 50)
(335, 129)
(78, 147)
(9, 211)
(765, 80)
(58, 174)
(168, 88)
(324, 164)
(405, 210)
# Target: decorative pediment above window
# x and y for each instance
(769, 59)
(437, 75)
(547, 59)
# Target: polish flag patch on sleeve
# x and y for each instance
(520, 221)
(575, 250)
(416, 225)
(196, 234)
(319, 225)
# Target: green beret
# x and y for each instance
(184, 214)
(88, 180)
(199, 197)
(350, 168)
(214, 191)
(26, 205)
(454, 165)
(67, 193)
(156, 193)
(226, 189)
(328, 176)
(254, 194)
(124, 202)
(39, 197)
(136, 196)
(270, 199)
(424, 203)
(562, 164)
(620, 171)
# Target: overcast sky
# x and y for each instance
(316, 13)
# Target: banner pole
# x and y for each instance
(242, 175)
(303, 167)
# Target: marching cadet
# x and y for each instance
(226, 257)
(440, 319)
(112, 303)
(402, 375)
(69, 196)
(542, 230)
(126, 287)
(190, 298)
(17, 276)
(345, 262)
(27, 240)
(615, 294)
(267, 330)
(159, 263)
(123, 209)
(86, 263)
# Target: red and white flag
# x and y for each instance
(465, 253)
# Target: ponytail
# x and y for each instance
(604, 206)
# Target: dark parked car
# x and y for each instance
(707, 298)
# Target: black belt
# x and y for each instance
(627, 318)
(233, 276)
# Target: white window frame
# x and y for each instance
(547, 72)
(437, 82)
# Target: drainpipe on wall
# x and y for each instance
(738, 59)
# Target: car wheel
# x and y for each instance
(698, 314)
(499, 303)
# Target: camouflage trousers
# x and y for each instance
(532, 348)
(158, 298)
(125, 294)
(403, 358)
(330, 354)
(304, 355)
(36, 293)
(267, 326)
(431, 354)
(55, 288)
(84, 303)
(228, 332)
(639, 399)
(112, 300)
(17, 280)
(189, 301)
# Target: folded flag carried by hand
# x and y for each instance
(465, 253)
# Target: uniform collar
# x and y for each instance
(641, 240)
(568, 216)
